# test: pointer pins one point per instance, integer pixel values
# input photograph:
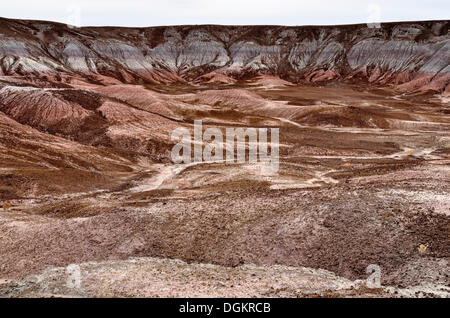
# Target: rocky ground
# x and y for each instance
(87, 184)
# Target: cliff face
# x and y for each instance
(412, 55)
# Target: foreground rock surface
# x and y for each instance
(150, 277)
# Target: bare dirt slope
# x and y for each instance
(86, 175)
(410, 55)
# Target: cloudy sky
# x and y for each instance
(174, 12)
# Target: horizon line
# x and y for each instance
(228, 25)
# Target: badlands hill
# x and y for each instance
(86, 176)
(410, 55)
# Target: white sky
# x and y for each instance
(141, 13)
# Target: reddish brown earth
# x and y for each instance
(86, 175)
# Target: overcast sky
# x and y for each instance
(174, 12)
